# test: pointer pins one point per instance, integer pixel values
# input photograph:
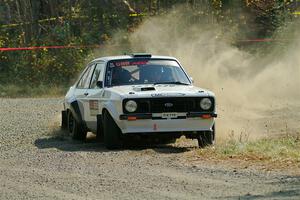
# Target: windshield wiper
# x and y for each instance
(173, 82)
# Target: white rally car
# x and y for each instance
(141, 95)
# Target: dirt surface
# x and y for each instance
(36, 163)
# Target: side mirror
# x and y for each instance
(99, 84)
(191, 78)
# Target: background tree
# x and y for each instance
(93, 22)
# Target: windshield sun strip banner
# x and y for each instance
(128, 63)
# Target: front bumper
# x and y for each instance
(152, 116)
(148, 123)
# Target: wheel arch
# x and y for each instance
(114, 114)
(111, 110)
(74, 109)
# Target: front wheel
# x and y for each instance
(206, 138)
(75, 129)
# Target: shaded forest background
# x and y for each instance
(89, 24)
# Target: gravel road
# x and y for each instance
(36, 163)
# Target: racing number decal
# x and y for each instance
(154, 127)
(93, 107)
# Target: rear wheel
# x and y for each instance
(111, 132)
(75, 129)
(206, 138)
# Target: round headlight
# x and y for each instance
(131, 106)
(205, 104)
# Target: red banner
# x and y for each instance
(97, 46)
(46, 47)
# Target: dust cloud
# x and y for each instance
(257, 93)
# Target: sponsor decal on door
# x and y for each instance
(93, 107)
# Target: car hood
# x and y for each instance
(161, 90)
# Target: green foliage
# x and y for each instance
(270, 152)
(94, 22)
(285, 148)
(79, 23)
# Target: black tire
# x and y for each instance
(76, 131)
(206, 138)
(111, 132)
(168, 140)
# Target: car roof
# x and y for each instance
(109, 58)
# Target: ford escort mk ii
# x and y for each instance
(138, 95)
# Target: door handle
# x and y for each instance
(86, 93)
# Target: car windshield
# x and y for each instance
(132, 72)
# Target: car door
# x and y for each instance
(93, 96)
(82, 87)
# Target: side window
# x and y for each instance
(97, 75)
(89, 76)
(80, 84)
(85, 78)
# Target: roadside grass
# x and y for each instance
(14, 91)
(269, 153)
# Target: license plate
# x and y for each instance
(169, 115)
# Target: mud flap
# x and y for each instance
(99, 134)
(64, 120)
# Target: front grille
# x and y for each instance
(175, 104)
(161, 105)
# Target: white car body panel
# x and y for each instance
(167, 125)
